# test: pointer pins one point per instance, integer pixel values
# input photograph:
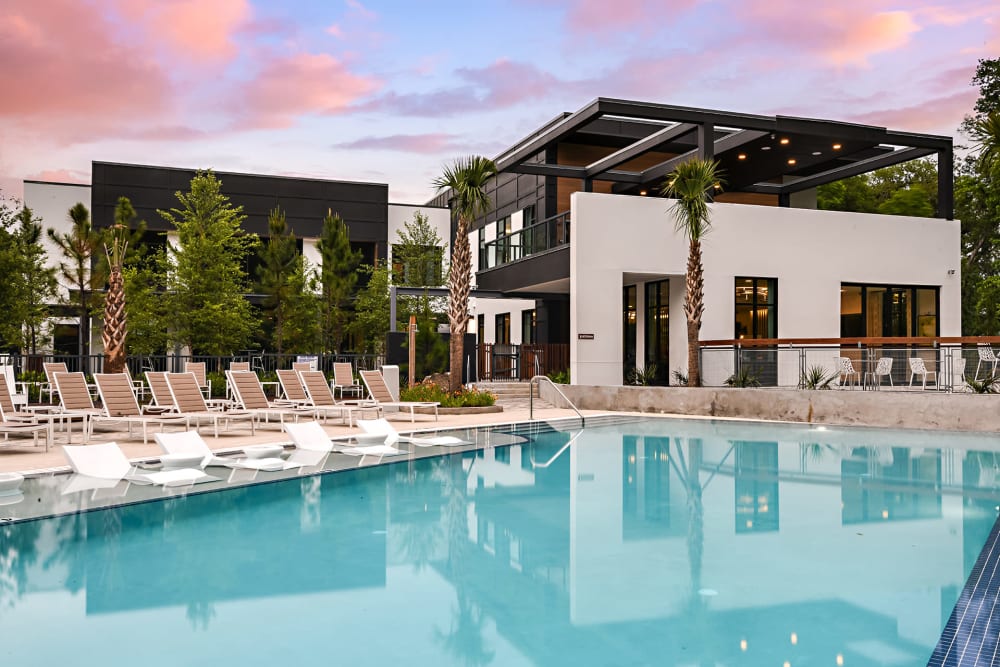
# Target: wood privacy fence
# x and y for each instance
(497, 362)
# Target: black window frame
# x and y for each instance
(754, 306)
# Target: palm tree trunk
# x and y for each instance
(458, 300)
(114, 331)
(694, 305)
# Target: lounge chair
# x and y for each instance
(120, 405)
(321, 398)
(12, 417)
(50, 382)
(251, 397)
(309, 435)
(201, 374)
(8, 428)
(191, 443)
(160, 391)
(107, 462)
(343, 379)
(383, 427)
(298, 366)
(75, 399)
(379, 392)
(188, 400)
(291, 387)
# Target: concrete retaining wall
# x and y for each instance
(916, 409)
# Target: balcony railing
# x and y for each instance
(539, 237)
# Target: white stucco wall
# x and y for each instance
(51, 202)
(810, 252)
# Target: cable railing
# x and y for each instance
(539, 237)
(939, 363)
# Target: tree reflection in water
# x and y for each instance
(18, 552)
(464, 638)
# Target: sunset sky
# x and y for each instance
(383, 91)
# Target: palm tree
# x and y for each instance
(466, 179)
(986, 132)
(692, 184)
(115, 326)
(79, 245)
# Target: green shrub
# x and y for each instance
(463, 398)
(218, 381)
(817, 378)
(560, 377)
(744, 378)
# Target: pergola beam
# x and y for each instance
(726, 143)
(636, 149)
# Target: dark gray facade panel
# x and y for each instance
(523, 274)
(364, 206)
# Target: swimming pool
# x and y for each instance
(649, 542)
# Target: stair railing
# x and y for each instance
(531, 397)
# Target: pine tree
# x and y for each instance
(206, 280)
(371, 310)
(279, 261)
(36, 282)
(302, 325)
(338, 278)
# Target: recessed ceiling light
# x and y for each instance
(817, 152)
(765, 148)
(836, 147)
(642, 193)
(791, 160)
(741, 156)
(783, 141)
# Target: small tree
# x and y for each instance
(466, 180)
(146, 304)
(417, 261)
(36, 283)
(206, 280)
(279, 261)
(371, 316)
(692, 183)
(302, 325)
(338, 278)
(83, 274)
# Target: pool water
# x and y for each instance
(654, 542)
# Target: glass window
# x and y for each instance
(629, 315)
(756, 308)
(658, 330)
(480, 327)
(529, 215)
(528, 326)
(502, 333)
(888, 310)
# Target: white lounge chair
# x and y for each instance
(311, 436)
(107, 462)
(321, 398)
(120, 405)
(383, 427)
(379, 392)
(191, 443)
(250, 396)
(188, 400)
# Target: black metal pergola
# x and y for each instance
(776, 155)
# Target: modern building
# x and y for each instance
(580, 252)
(577, 226)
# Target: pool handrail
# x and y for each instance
(531, 398)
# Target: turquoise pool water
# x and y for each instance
(656, 542)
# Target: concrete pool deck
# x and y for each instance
(19, 455)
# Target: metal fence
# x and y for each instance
(499, 362)
(947, 366)
(261, 362)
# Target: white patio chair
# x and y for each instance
(846, 368)
(917, 367)
(986, 356)
(883, 368)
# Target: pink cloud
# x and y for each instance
(407, 143)
(360, 11)
(602, 17)
(335, 30)
(849, 32)
(942, 114)
(190, 28)
(289, 86)
(51, 69)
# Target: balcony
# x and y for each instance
(537, 238)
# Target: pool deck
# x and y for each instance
(19, 455)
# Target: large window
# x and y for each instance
(756, 308)
(528, 327)
(658, 330)
(888, 310)
(417, 266)
(481, 328)
(502, 334)
(629, 314)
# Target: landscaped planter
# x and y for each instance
(478, 410)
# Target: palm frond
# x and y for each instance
(692, 184)
(466, 177)
(986, 132)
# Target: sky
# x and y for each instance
(390, 91)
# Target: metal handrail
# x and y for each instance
(531, 398)
(535, 464)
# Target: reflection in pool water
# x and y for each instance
(652, 542)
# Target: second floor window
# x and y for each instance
(756, 308)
